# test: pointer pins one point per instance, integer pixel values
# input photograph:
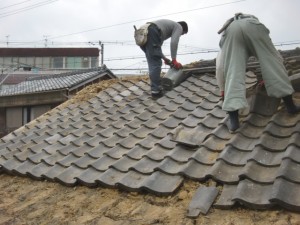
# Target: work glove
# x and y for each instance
(222, 95)
(176, 64)
(167, 61)
(261, 83)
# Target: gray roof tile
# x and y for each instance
(38, 170)
(84, 161)
(253, 195)
(259, 173)
(68, 176)
(89, 176)
(137, 152)
(286, 194)
(145, 165)
(225, 199)
(24, 167)
(266, 157)
(235, 156)
(53, 172)
(196, 170)
(225, 172)
(289, 170)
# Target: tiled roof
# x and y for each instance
(123, 139)
(55, 82)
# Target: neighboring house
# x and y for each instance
(49, 58)
(16, 64)
(122, 138)
(29, 99)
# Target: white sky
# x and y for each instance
(75, 23)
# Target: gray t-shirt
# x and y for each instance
(170, 29)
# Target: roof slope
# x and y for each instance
(123, 139)
(56, 82)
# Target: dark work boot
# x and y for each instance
(290, 105)
(234, 123)
(157, 95)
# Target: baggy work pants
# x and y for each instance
(154, 54)
(242, 39)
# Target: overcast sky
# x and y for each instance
(76, 23)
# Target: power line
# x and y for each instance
(14, 4)
(201, 51)
(133, 21)
(140, 57)
(2, 15)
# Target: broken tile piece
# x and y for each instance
(202, 201)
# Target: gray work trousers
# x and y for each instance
(154, 55)
(242, 39)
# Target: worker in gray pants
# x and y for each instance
(244, 36)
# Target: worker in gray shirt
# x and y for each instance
(158, 32)
(244, 36)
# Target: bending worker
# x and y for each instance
(158, 32)
(244, 36)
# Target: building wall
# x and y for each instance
(14, 117)
(49, 58)
(2, 121)
(44, 63)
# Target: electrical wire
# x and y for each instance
(15, 4)
(133, 21)
(2, 15)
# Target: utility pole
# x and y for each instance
(46, 40)
(7, 36)
(101, 52)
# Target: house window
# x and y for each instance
(7, 61)
(21, 61)
(26, 115)
(95, 62)
(1, 62)
(46, 62)
(86, 62)
(58, 62)
(39, 62)
(32, 112)
(73, 62)
(30, 62)
(42, 62)
(15, 62)
(13, 118)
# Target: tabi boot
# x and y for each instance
(233, 123)
(290, 105)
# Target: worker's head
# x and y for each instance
(184, 26)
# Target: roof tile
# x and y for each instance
(286, 194)
(253, 195)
